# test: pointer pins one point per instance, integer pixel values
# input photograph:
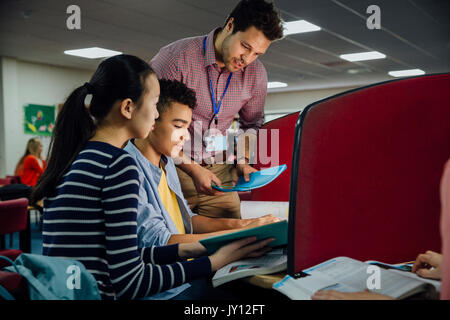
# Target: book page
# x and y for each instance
(271, 259)
(272, 262)
(302, 288)
(353, 276)
(435, 283)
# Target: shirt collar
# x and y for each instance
(141, 158)
(210, 56)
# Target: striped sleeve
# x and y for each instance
(130, 276)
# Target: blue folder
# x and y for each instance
(257, 180)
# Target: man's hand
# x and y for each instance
(203, 178)
(245, 170)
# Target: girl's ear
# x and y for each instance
(127, 108)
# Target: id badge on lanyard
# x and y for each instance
(215, 142)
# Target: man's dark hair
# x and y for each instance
(260, 14)
(174, 91)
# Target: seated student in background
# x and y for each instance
(164, 217)
(430, 265)
(31, 166)
(91, 189)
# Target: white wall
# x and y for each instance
(24, 83)
(281, 103)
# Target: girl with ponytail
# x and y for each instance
(91, 187)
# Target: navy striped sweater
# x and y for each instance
(92, 218)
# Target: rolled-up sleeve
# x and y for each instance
(251, 115)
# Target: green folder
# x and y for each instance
(277, 230)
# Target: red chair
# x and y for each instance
(14, 218)
(14, 179)
(5, 181)
(366, 170)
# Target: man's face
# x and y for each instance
(243, 47)
(171, 130)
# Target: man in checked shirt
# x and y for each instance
(223, 69)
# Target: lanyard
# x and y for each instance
(216, 107)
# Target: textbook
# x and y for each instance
(277, 230)
(273, 261)
(348, 275)
(257, 180)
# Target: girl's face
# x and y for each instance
(146, 113)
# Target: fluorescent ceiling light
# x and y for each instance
(299, 26)
(406, 73)
(371, 55)
(92, 53)
(276, 84)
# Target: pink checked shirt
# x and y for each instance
(185, 61)
(445, 232)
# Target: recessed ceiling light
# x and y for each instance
(92, 53)
(358, 70)
(276, 84)
(371, 55)
(406, 73)
(299, 26)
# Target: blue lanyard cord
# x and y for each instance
(213, 97)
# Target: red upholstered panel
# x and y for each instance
(370, 165)
(9, 253)
(5, 181)
(14, 179)
(13, 215)
(278, 190)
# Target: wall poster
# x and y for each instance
(39, 119)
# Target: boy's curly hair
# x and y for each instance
(174, 91)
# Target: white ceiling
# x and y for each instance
(414, 34)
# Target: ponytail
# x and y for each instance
(74, 127)
(116, 78)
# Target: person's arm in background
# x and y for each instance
(445, 232)
(202, 224)
(205, 227)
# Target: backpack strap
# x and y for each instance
(3, 292)
(10, 261)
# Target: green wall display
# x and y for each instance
(39, 119)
